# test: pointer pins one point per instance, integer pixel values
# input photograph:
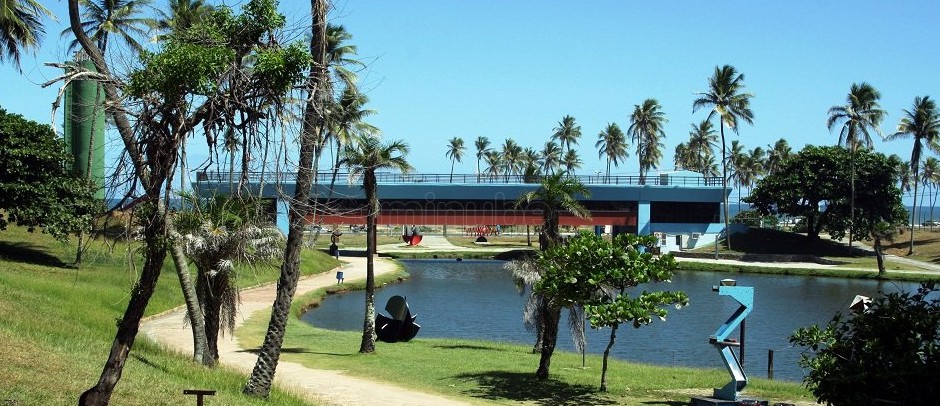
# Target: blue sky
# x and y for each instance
(513, 69)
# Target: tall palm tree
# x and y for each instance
(455, 150)
(551, 157)
(777, 155)
(346, 125)
(512, 157)
(860, 113)
(647, 123)
(483, 145)
(20, 28)
(566, 133)
(370, 156)
(123, 18)
(557, 193)
(737, 160)
(682, 157)
(572, 162)
(612, 145)
(726, 99)
(922, 123)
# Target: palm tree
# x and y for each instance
(483, 145)
(551, 157)
(20, 27)
(455, 150)
(346, 124)
(777, 155)
(370, 156)
(860, 113)
(114, 17)
(531, 164)
(611, 144)
(646, 129)
(557, 193)
(726, 99)
(566, 133)
(511, 157)
(923, 123)
(494, 164)
(183, 15)
(931, 179)
(702, 141)
(572, 162)
(217, 233)
(737, 160)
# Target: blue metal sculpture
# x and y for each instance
(745, 296)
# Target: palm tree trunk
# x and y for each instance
(262, 376)
(724, 185)
(193, 310)
(610, 344)
(880, 256)
(852, 205)
(910, 251)
(549, 338)
(368, 324)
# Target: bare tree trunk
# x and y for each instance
(262, 376)
(880, 256)
(610, 344)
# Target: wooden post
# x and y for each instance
(199, 394)
(770, 364)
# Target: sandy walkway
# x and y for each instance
(320, 386)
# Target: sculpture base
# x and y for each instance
(722, 402)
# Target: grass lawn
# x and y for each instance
(57, 324)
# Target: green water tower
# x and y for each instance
(84, 126)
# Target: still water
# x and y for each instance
(478, 300)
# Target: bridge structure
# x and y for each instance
(682, 208)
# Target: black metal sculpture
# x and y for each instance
(399, 325)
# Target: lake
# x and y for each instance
(476, 299)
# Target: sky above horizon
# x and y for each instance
(512, 69)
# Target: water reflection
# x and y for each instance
(477, 300)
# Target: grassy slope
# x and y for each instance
(57, 324)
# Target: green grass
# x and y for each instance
(57, 324)
(487, 372)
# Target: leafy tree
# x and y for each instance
(814, 178)
(219, 232)
(617, 267)
(370, 156)
(566, 133)
(923, 124)
(889, 353)
(725, 99)
(612, 145)
(37, 186)
(20, 27)
(647, 124)
(597, 273)
(455, 150)
(105, 18)
(174, 91)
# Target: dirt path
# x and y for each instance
(320, 386)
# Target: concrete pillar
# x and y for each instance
(643, 218)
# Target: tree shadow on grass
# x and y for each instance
(523, 387)
(28, 254)
(297, 350)
(665, 403)
(467, 347)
